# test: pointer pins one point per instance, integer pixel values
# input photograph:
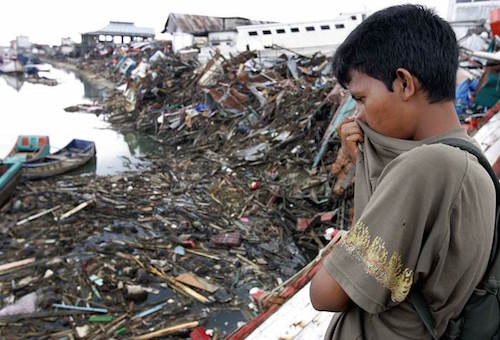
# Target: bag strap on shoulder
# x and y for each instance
(417, 300)
(472, 149)
(415, 296)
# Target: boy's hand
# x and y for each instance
(350, 134)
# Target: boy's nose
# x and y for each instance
(360, 114)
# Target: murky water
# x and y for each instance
(39, 110)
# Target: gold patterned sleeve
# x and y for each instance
(375, 261)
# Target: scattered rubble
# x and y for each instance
(251, 185)
(182, 244)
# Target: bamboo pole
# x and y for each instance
(180, 287)
(75, 210)
(11, 265)
(168, 330)
(40, 214)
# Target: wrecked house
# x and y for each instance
(235, 35)
(189, 30)
(115, 32)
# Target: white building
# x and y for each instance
(461, 10)
(189, 30)
(67, 41)
(304, 38)
(235, 35)
(22, 42)
(464, 14)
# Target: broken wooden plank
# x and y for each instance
(16, 264)
(197, 282)
(168, 330)
(76, 209)
(40, 214)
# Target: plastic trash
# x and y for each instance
(25, 305)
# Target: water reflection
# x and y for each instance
(14, 81)
(38, 109)
(139, 144)
(92, 92)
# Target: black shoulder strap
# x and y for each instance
(417, 300)
(472, 149)
(415, 296)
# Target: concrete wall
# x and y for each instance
(181, 40)
(217, 39)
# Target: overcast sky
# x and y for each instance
(47, 21)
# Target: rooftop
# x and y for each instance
(124, 28)
(201, 24)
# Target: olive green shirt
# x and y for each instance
(424, 216)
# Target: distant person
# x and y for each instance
(424, 212)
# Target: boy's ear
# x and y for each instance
(404, 85)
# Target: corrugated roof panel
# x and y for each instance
(201, 24)
(124, 28)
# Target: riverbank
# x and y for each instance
(235, 203)
(97, 81)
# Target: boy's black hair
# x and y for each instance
(408, 36)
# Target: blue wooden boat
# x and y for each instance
(29, 149)
(75, 154)
(10, 174)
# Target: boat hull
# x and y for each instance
(9, 180)
(29, 149)
(63, 161)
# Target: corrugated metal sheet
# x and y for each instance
(201, 24)
(124, 28)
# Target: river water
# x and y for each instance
(37, 109)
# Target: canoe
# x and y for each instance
(75, 154)
(10, 174)
(29, 149)
(287, 312)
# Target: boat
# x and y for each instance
(28, 148)
(72, 156)
(10, 174)
(12, 66)
(287, 311)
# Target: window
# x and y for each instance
(294, 29)
(252, 33)
(339, 26)
(310, 28)
(325, 27)
(215, 43)
(266, 32)
(280, 31)
(353, 17)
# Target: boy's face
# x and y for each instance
(384, 111)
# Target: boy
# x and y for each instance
(424, 212)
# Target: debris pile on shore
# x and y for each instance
(242, 198)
